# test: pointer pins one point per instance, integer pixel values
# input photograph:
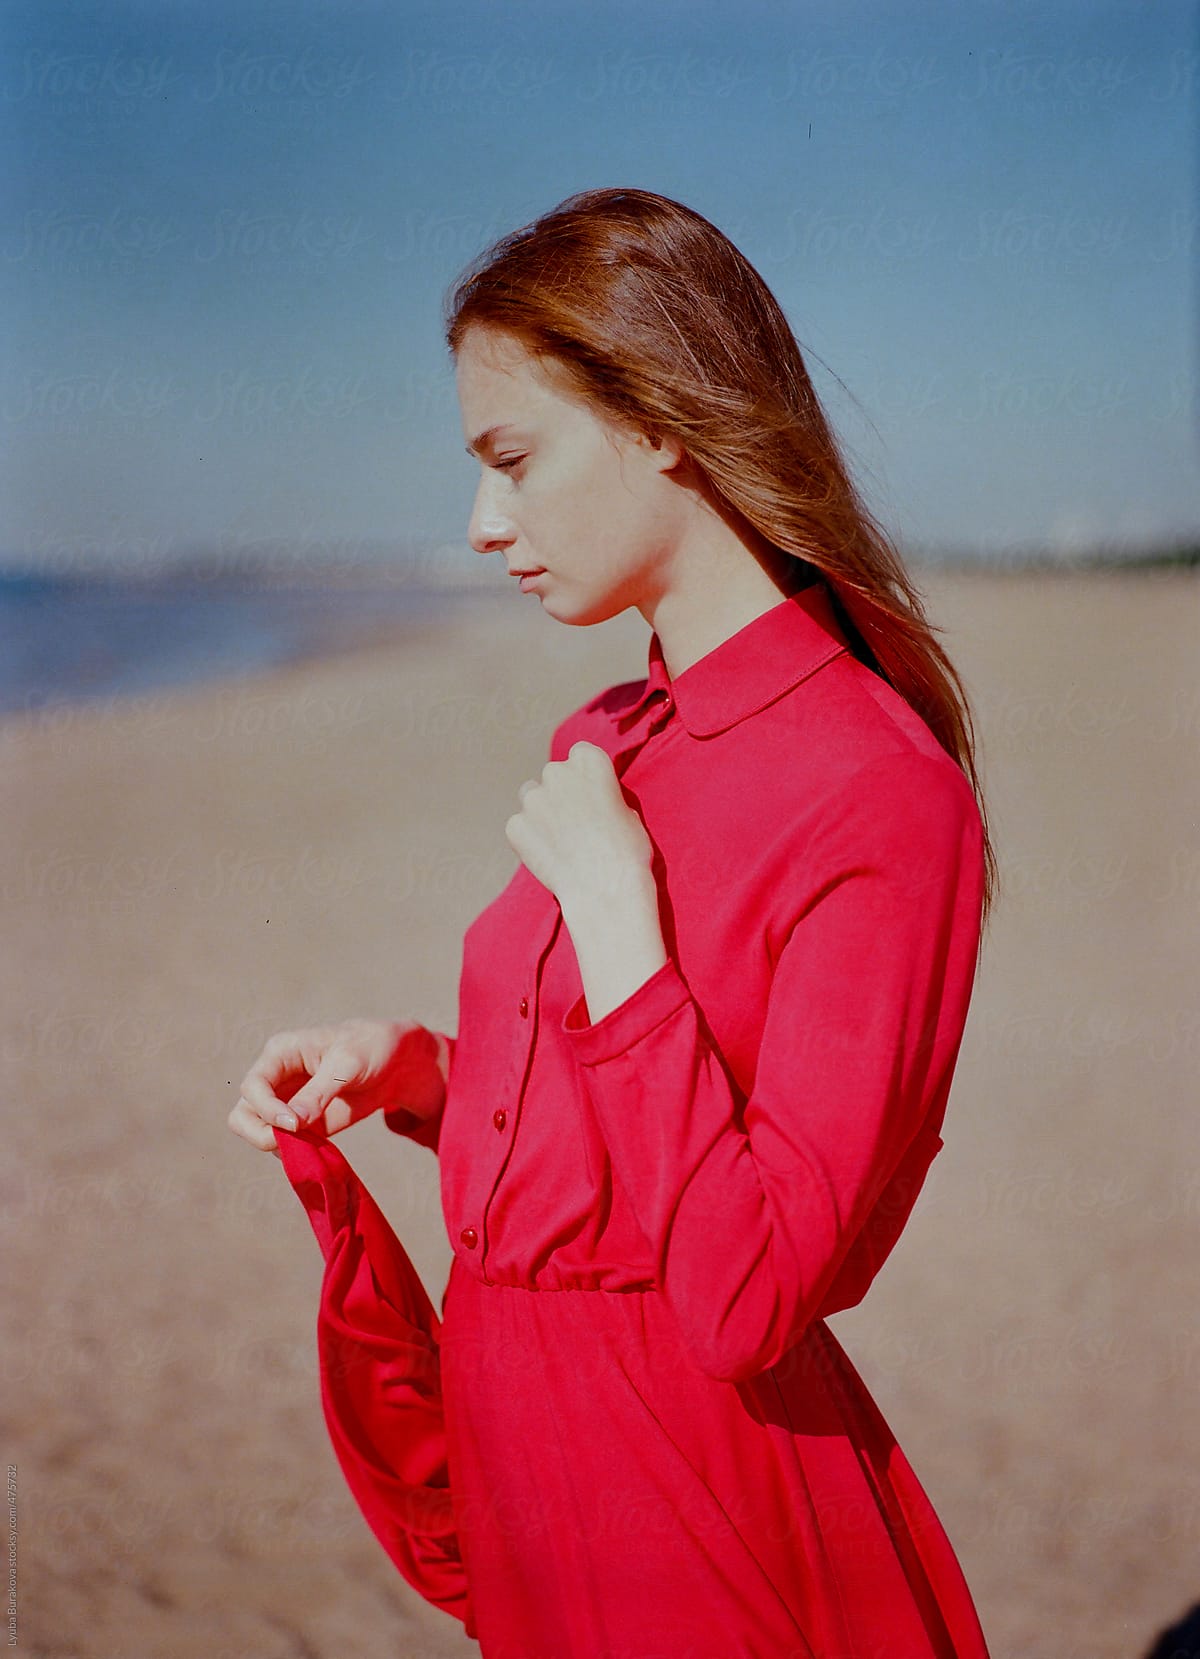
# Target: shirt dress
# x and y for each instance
(631, 1433)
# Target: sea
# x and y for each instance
(76, 638)
(72, 640)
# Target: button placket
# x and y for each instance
(501, 1144)
(656, 712)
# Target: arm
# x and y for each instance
(423, 1123)
(751, 1205)
(618, 940)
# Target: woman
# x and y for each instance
(706, 1033)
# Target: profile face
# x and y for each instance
(561, 490)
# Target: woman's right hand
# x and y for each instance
(330, 1076)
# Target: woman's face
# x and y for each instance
(595, 508)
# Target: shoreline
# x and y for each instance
(448, 607)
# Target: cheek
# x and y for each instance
(622, 531)
(613, 518)
(587, 511)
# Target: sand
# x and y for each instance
(186, 873)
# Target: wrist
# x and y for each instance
(618, 940)
(627, 890)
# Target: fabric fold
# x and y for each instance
(378, 1353)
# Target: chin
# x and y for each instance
(588, 612)
(586, 609)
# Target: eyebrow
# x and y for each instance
(483, 440)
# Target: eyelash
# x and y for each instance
(507, 465)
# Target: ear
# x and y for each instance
(669, 450)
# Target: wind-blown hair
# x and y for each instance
(654, 317)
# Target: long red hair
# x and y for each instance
(656, 319)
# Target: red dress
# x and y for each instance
(631, 1432)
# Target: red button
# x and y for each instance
(469, 1237)
(524, 1008)
(499, 1119)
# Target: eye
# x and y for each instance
(508, 463)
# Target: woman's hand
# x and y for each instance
(576, 834)
(330, 1076)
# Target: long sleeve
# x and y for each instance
(378, 1350)
(425, 1131)
(750, 1205)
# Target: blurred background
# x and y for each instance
(228, 229)
(264, 714)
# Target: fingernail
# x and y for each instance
(286, 1120)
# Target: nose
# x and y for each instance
(490, 529)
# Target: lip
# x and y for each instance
(528, 578)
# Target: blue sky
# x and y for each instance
(227, 231)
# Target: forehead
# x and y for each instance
(502, 383)
(490, 364)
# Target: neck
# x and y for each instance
(716, 589)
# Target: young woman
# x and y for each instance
(706, 1033)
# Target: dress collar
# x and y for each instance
(751, 668)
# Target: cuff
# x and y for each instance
(654, 1001)
(425, 1131)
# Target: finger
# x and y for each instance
(336, 1070)
(265, 1105)
(530, 783)
(590, 755)
(246, 1123)
(257, 1092)
(514, 834)
(279, 1055)
(283, 1056)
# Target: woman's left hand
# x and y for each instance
(574, 831)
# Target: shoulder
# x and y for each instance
(903, 796)
(867, 787)
(843, 742)
(865, 740)
(895, 842)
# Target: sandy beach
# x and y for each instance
(185, 873)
